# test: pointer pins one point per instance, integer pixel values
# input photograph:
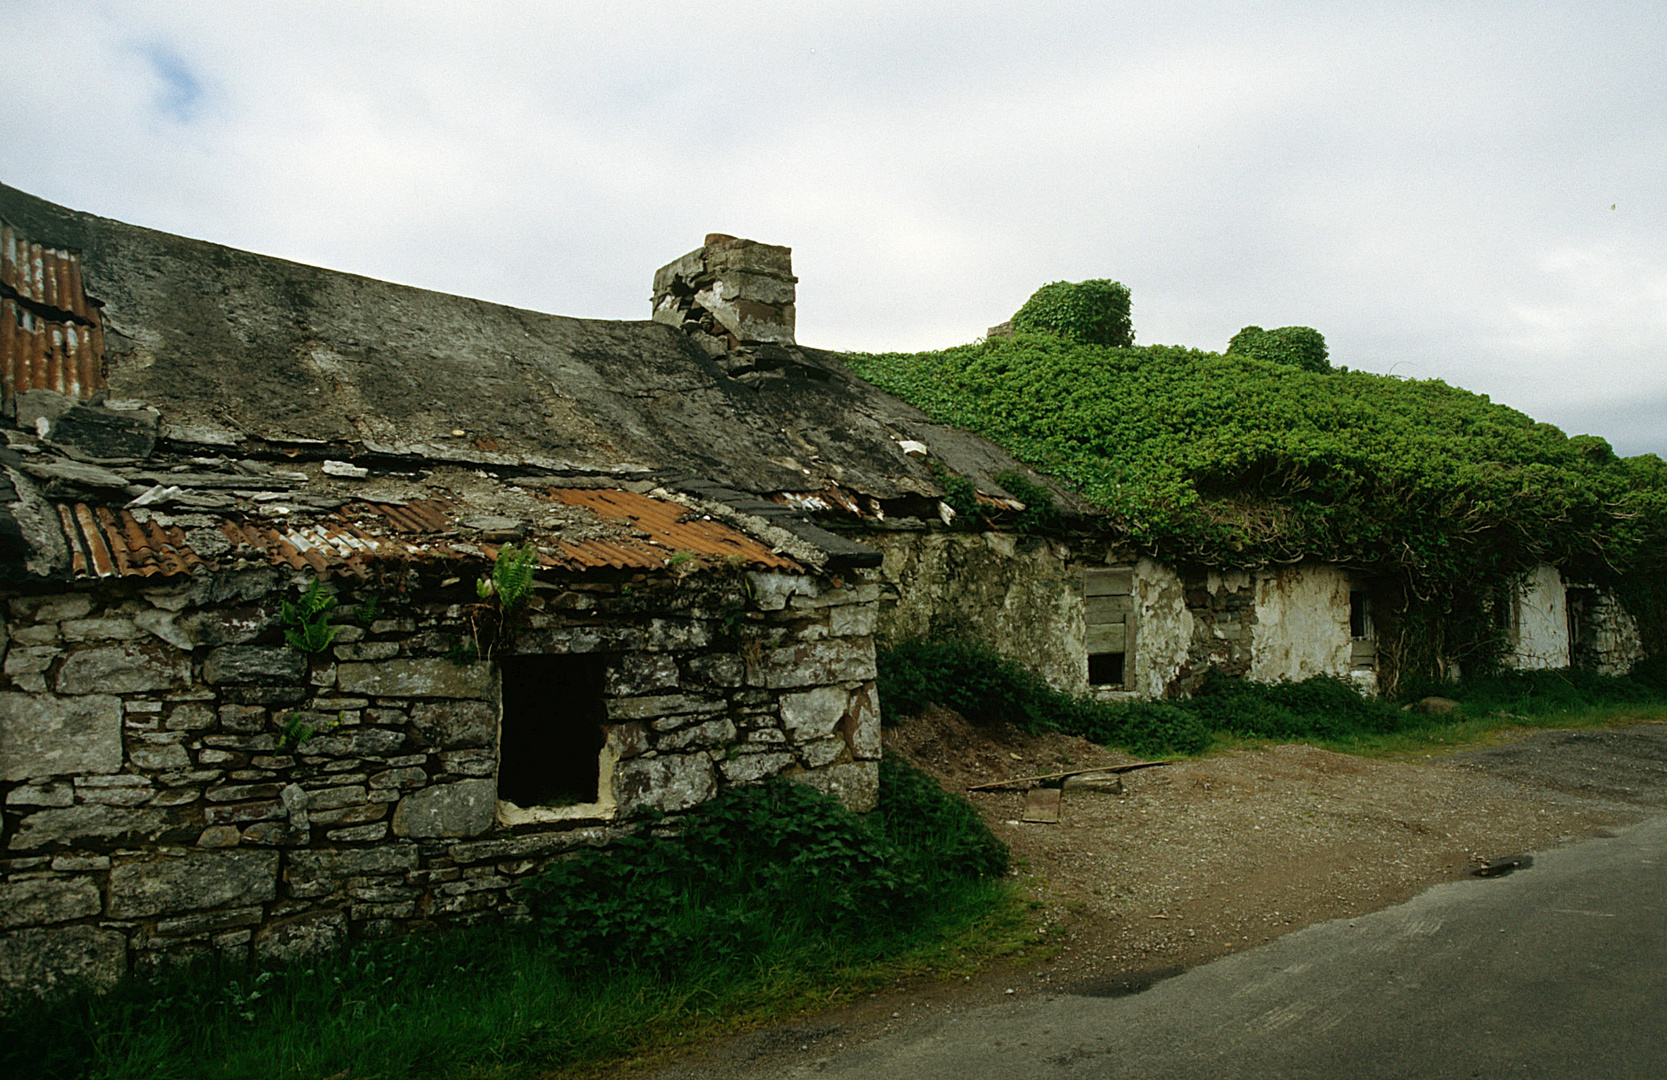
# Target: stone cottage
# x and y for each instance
(264, 688)
(261, 691)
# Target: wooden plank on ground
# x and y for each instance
(1017, 781)
(1042, 805)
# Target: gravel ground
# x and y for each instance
(1183, 863)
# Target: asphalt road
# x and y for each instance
(1558, 970)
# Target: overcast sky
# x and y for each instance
(1475, 192)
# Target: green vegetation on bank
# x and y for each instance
(1264, 454)
(1232, 459)
(768, 899)
(988, 688)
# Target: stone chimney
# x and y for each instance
(729, 293)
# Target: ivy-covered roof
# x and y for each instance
(1232, 459)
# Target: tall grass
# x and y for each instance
(771, 897)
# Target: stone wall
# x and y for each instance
(1021, 595)
(1024, 597)
(1606, 639)
(155, 811)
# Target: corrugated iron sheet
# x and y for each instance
(673, 526)
(37, 353)
(114, 543)
(51, 337)
(47, 276)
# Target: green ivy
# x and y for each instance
(1087, 312)
(1040, 515)
(1295, 346)
(1229, 459)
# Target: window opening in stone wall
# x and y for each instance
(552, 735)
(1360, 614)
(1363, 645)
(1105, 669)
(1108, 614)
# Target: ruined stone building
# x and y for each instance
(256, 697)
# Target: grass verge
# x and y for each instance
(1327, 711)
(767, 901)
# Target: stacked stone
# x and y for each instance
(734, 292)
(155, 811)
(1610, 643)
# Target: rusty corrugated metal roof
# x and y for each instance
(673, 525)
(37, 353)
(51, 337)
(46, 276)
(646, 533)
(114, 543)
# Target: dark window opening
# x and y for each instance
(1105, 669)
(552, 730)
(1360, 614)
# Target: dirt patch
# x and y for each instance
(1183, 863)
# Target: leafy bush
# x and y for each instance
(940, 833)
(988, 688)
(1154, 728)
(1321, 707)
(1088, 312)
(1295, 346)
(759, 862)
(1040, 515)
(975, 681)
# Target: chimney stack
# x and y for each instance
(729, 293)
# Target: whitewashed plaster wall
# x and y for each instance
(1302, 623)
(1163, 629)
(1541, 623)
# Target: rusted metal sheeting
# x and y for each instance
(44, 275)
(672, 526)
(320, 547)
(45, 354)
(412, 516)
(107, 543)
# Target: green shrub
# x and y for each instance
(1087, 312)
(988, 688)
(759, 862)
(1321, 707)
(1155, 728)
(1294, 346)
(1040, 514)
(975, 681)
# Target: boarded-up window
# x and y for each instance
(552, 730)
(1108, 606)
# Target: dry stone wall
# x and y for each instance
(156, 811)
